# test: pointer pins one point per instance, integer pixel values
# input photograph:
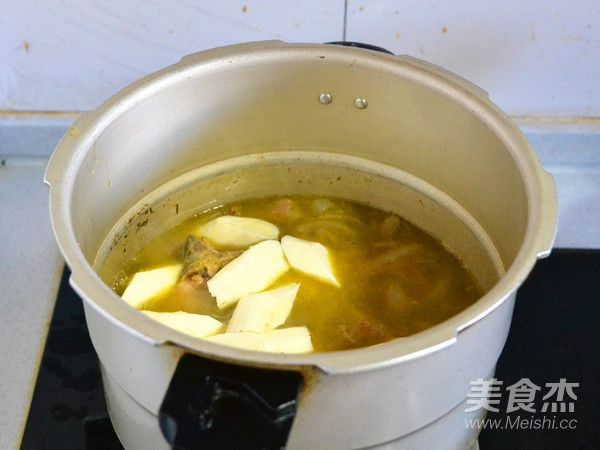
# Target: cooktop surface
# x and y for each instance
(545, 394)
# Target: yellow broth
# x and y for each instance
(396, 280)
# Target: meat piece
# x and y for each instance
(371, 333)
(282, 207)
(204, 260)
(193, 297)
(364, 333)
(284, 211)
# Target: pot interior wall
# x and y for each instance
(215, 108)
(309, 173)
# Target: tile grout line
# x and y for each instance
(345, 20)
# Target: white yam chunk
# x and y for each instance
(263, 311)
(253, 271)
(311, 258)
(234, 231)
(150, 283)
(285, 340)
(196, 325)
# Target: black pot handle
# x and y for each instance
(361, 45)
(215, 405)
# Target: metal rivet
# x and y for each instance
(326, 99)
(360, 103)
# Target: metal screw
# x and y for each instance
(360, 103)
(326, 99)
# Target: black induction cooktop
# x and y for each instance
(549, 370)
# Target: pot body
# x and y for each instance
(253, 120)
(415, 404)
(136, 426)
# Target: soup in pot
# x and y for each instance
(297, 274)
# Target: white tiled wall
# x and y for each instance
(532, 56)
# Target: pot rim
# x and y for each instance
(537, 242)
